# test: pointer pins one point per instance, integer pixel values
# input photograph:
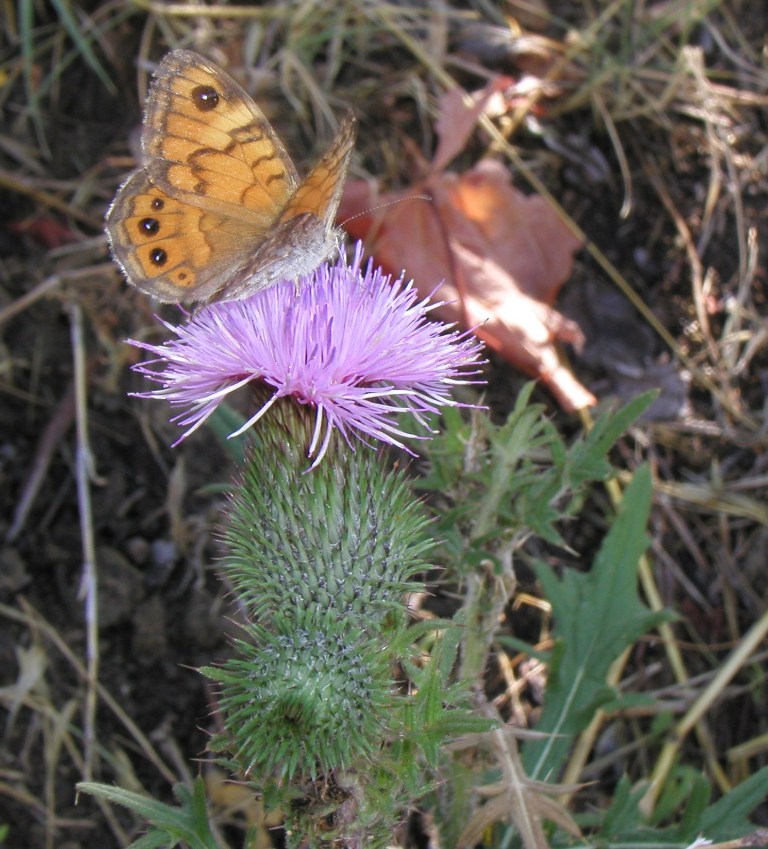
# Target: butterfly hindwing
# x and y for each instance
(169, 249)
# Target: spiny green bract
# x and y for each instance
(303, 703)
(346, 536)
(321, 561)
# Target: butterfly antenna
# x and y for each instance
(383, 206)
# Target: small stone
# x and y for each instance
(150, 644)
(121, 587)
(138, 549)
(13, 571)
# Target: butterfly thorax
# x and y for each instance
(292, 249)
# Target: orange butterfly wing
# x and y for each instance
(218, 210)
(206, 138)
(170, 249)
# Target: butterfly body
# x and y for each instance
(218, 211)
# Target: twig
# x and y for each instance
(20, 304)
(89, 582)
(694, 261)
(57, 427)
(25, 186)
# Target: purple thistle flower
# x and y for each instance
(355, 346)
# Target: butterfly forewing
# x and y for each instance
(320, 193)
(205, 137)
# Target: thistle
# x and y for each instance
(324, 540)
(352, 345)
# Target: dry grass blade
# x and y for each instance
(27, 186)
(31, 618)
(61, 736)
(738, 658)
(89, 584)
(60, 422)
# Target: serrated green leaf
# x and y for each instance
(587, 458)
(188, 822)
(699, 791)
(610, 427)
(725, 820)
(686, 790)
(623, 816)
(597, 615)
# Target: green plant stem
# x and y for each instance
(486, 596)
(489, 590)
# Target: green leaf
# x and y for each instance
(435, 713)
(521, 647)
(153, 839)
(597, 615)
(685, 790)
(587, 458)
(685, 796)
(623, 816)
(187, 823)
(729, 817)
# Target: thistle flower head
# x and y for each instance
(347, 341)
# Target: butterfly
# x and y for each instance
(218, 211)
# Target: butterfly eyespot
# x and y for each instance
(149, 226)
(158, 257)
(157, 204)
(181, 276)
(205, 97)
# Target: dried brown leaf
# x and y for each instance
(457, 119)
(501, 257)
